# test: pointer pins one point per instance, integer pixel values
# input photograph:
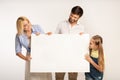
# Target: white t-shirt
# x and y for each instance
(65, 28)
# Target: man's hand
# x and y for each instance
(81, 33)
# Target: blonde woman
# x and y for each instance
(96, 59)
(23, 39)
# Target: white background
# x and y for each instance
(100, 17)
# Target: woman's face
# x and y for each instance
(26, 26)
(92, 45)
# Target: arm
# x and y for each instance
(27, 58)
(48, 33)
(97, 66)
(18, 48)
(38, 30)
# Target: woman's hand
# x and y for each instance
(81, 33)
(37, 33)
(28, 58)
(49, 33)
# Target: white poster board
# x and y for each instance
(59, 53)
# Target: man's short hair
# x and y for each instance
(77, 10)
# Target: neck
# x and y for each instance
(95, 49)
(72, 24)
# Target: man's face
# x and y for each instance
(73, 18)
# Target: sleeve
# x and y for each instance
(18, 46)
(38, 28)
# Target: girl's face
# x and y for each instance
(92, 45)
(26, 26)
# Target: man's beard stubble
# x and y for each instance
(72, 21)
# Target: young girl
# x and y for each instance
(96, 59)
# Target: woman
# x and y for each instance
(23, 39)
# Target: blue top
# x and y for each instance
(22, 40)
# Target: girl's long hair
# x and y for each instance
(98, 42)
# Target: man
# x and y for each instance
(70, 26)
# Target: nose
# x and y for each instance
(25, 25)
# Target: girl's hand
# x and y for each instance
(88, 58)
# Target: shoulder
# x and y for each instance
(17, 35)
(20, 36)
(63, 22)
(80, 25)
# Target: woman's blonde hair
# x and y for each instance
(98, 42)
(19, 24)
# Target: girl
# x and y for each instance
(96, 59)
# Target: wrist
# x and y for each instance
(25, 58)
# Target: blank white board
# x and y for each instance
(59, 53)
